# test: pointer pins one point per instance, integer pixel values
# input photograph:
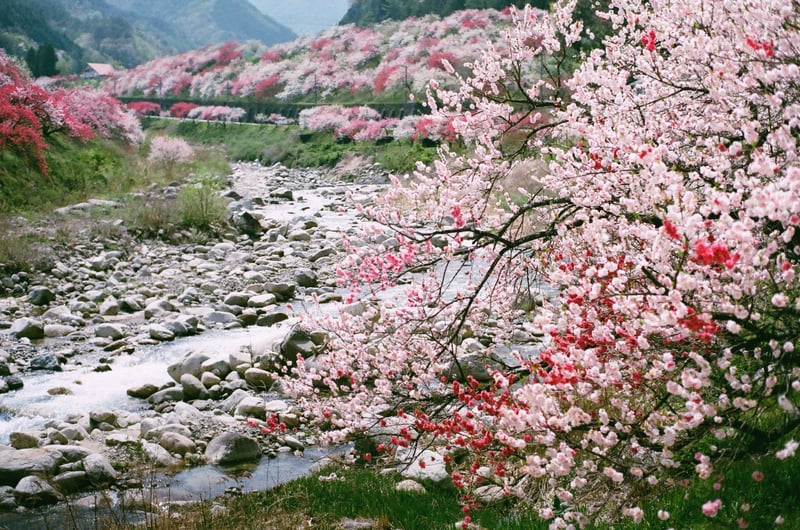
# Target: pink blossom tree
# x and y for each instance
(648, 235)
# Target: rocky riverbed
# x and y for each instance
(159, 353)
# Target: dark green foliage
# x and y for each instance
(46, 60)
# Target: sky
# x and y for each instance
(304, 16)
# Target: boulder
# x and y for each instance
(16, 464)
(142, 392)
(192, 387)
(27, 328)
(158, 308)
(45, 361)
(238, 299)
(40, 295)
(160, 332)
(258, 378)
(35, 491)
(174, 393)
(109, 331)
(252, 407)
(230, 404)
(24, 440)
(177, 443)
(232, 448)
(158, 456)
(191, 364)
(433, 467)
(99, 470)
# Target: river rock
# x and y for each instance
(35, 491)
(208, 379)
(160, 332)
(143, 392)
(217, 366)
(219, 317)
(282, 290)
(158, 456)
(272, 318)
(58, 330)
(40, 295)
(98, 416)
(109, 307)
(27, 328)
(297, 341)
(262, 300)
(24, 440)
(232, 401)
(71, 481)
(252, 407)
(247, 224)
(45, 361)
(158, 308)
(259, 378)
(109, 331)
(191, 364)
(434, 468)
(174, 393)
(99, 470)
(177, 443)
(7, 500)
(410, 486)
(305, 278)
(184, 414)
(238, 299)
(232, 448)
(192, 387)
(4, 368)
(15, 464)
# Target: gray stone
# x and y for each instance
(99, 470)
(305, 278)
(293, 443)
(109, 331)
(282, 290)
(15, 464)
(252, 407)
(158, 456)
(258, 378)
(410, 486)
(97, 416)
(143, 392)
(192, 387)
(40, 295)
(35, 491)
(219, 317)
(262, 300)
(178, 328)
(27, 328)
(321, 253)
(168, 394)
(177, 443)
(45, 361)
(71, 481)
(297, 341)
(282, 193)
(24, 440)
(209, 379)
(158, 432)
(158, 308)
(237, 299)
(4, 368)
(109, 307)
(298, 235)
(433, 469)
(272, 318)
(232, 448)
(191, 364)
(160, 332)
(217, 366)
(58, 330)
(232, 401)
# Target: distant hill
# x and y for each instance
(130, 32)
(366, 12)
(304, 17)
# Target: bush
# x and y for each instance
(200, 205)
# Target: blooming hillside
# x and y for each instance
(345, 59)
(30, 114)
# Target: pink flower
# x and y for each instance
(711, 508)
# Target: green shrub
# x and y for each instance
(151, 217)
(200, 205)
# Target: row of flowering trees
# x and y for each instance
(30, 114)
(662, 217)
(392, 55)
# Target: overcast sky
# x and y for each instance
(304, 16)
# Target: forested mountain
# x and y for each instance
(129, 32)
(366, 12)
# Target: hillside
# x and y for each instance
(304, 17)
(129, 32)
(366, 12)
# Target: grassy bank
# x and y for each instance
(290, 146)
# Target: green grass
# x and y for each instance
(288, 145)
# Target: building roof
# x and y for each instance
(102, 68)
